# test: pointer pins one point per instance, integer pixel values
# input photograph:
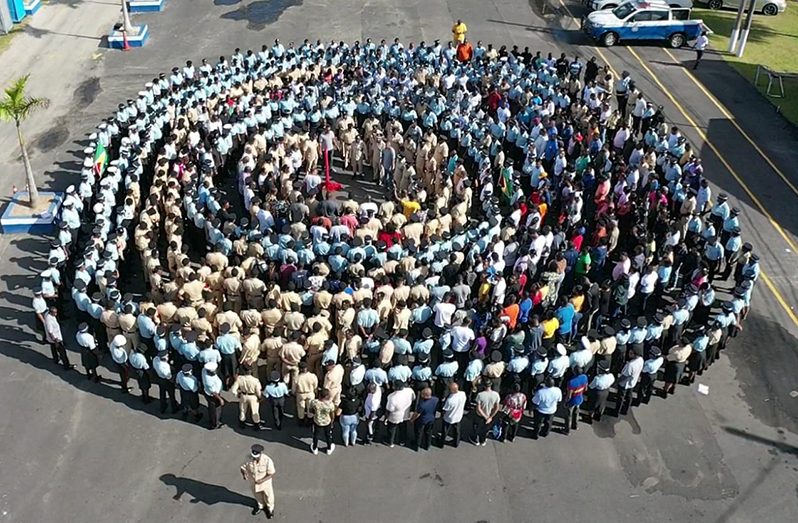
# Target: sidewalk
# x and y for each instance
(60, 49)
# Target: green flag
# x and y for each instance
(506, 182)
(100, 159)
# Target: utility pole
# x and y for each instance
(126, 25)
(736, 29)
(744, 35)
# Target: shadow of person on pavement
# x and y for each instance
(202, 492)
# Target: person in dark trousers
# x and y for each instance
(546, 400)
(424, 418)
(700, 45)
(488, 403)
(575, 396)
(599, 389)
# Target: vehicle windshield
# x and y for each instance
(624, 10)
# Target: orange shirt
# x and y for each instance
(512, 311)
(465, 51)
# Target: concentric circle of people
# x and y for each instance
(539, 228)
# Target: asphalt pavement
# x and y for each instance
(73, 450)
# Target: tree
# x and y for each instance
(16, 107)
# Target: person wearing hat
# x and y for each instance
(675, 364)
(164, 377)
(494, 370)
(558, 364)
(445, 373)
(229, 346)
(649, 374)
(40, 309)
(720, 211)
(275, 393)
(141, 369)
(89, 355)
(258, 471)
(189, 392)
(713, 255)
(304, 386)
(118, 349)
(599, 389)
(334, 378)
(537, 369)
(212, 387)
(248, 390)
(628, 380)
(421, 373)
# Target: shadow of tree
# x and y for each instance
(259, 14)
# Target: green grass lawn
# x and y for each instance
(773, 42)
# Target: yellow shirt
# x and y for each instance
(550, 327)
(458, 32)
(409, 207)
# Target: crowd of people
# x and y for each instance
(543, 244)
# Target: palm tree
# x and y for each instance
(15, 107)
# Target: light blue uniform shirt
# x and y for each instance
(518, 364)
(399, 373)
(228, 344)
(211, 383)
(139, 361)
(146, 326)
(447, 369)
(357, 374)
(376, 375)
(187, 382)
(474, 369)
(652, 366)
(275, 390)
(162, 368)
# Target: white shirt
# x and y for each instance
(648, 282)
(52, 328)
(454, 406)
(443, 314)
(631, 373)
(398, 405)
(701, 43)
(461, 338)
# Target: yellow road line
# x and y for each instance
(733, 121)
(768, 282)
(765, 278)
(714, 149)
(779, 298)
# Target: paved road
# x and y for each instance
(73, 450)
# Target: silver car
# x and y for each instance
(766, 7)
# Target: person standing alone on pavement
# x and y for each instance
(700, 45)
(259, 471)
